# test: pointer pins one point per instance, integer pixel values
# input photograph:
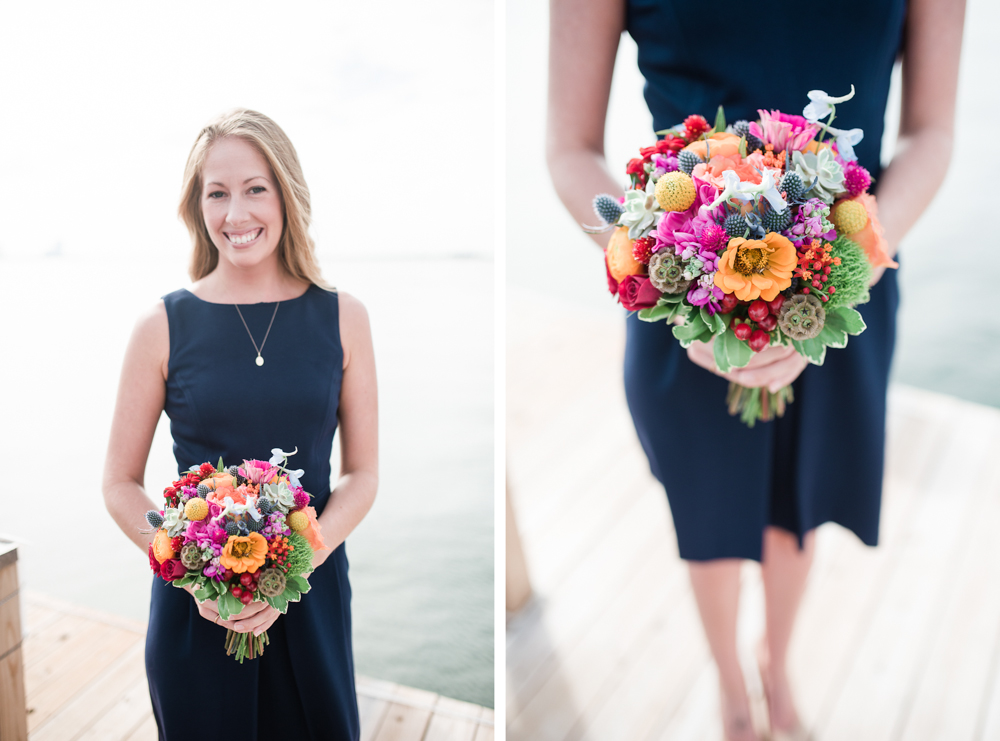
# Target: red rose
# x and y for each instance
(172, 569)
(612, 283)
(636, 292)
(153, 563)
(635, 167)
(648, 152)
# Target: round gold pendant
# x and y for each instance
(260, 360)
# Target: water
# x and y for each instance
(108, 103)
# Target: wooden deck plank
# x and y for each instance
(145, 731)
(569, 611)
(95, 699)
(894, 642)
(404, 723)
(78, 668)
(875, 692)
(955, 682)
(90, 684)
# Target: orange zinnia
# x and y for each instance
(756, 268)
(244, 553)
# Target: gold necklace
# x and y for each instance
(260, 360)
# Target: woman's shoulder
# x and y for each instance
(355, 330)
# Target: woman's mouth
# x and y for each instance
(244, 238)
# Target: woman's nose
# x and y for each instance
(238, 212)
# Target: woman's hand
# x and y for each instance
(774, 367)
(255, 617)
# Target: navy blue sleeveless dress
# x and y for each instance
(221, 404)
(823, 461)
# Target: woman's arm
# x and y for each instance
(583, 42)
(354, 493)
(933, 45)
(141, 395)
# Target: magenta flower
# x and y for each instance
(783, 131)
(713, 237)
(707, 297)
(258, 472)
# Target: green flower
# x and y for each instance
(640, 211)
(821, 174)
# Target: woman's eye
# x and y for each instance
(257, 189)
(216, 194)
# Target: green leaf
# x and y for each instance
(695, 329)
(731, 352)
(743, 147)
(846, 319)
(202, 594)
(291, 594)
(714, 322)
(671, 298)
(300, 582)
(813, 350)
(228, 605)
(657, 313)
(279, 603)
(720, 120)
(220, 467)
(832, 337)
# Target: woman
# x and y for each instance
(258, 354)
(765, 503)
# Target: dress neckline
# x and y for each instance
(259, 303)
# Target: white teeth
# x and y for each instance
(249, 237)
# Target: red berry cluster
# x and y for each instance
(278, 550)
(177, 543)
(206, 470)
(761, 319)
(243, 591)
(814, 269)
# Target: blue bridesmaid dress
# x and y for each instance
(823, 461)
(220, 403)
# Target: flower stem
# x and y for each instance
(826, 127)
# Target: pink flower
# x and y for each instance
(783, 131)
(258, 472)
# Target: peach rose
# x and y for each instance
(872, 238)
(711, 171)
(162, 550)
(719, 143)
(313, 532)
(619, 253)
(756, 268)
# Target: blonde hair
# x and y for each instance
(296, 249)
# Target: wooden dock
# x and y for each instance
(85, 681)
(896, 642)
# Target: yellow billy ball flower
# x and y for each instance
(675, 191)
(297, 520)
(849, 217)
(196, 509)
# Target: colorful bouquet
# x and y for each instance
(761, 233)
(237, 534)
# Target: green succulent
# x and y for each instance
(640, 211)
(821, 174)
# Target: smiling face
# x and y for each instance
(241, 203)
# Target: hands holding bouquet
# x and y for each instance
(242, 540)
(757, 240)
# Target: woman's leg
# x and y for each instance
(716, 587)
(785, 569)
